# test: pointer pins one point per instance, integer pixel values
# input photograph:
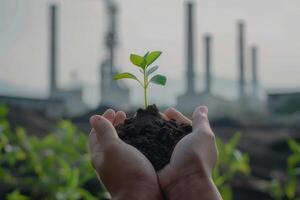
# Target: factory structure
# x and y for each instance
(112, 93)
(61, 102)
(69, 102)
(192, 98)
(218, 106)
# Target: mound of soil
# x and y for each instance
(154, 136)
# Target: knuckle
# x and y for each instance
(200, 115)
(200, 120)
(171, 109)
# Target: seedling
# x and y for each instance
(143, 63)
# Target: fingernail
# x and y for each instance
(109, 111)
(98, 117)
(95, 118)
(202, 109)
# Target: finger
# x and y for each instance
(172, 113)
(119, 118)
(109, 114)
(95, 150)
(200, 120)
(104, 129)
(93, 141)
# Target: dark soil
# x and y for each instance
(154, 136)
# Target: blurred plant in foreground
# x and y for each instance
(56, 166)
(231, 161)
(16, 195)
(288, 188)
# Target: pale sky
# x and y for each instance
(273, 25)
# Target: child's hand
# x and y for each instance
(188, 175)
(126, 173)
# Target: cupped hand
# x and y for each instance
(126, 172)
(194, 156)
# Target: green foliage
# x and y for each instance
(16, 195)
(125, 75)
(288, 188)
(276, 190)
(56, 166)
(151, 57)
(138, 61)
(230, 162)
(143, 63)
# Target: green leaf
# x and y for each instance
(146, 54)
(151, 57)
(138, 61)
(276, 189)
(294, 146)
(16, 195)
(158, 79)
(291, 187)
(3, 110)
(234, 140)
(125, 75)
(293, 161)
(226, 192)
(151, 70)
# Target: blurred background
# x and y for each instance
(57, 60)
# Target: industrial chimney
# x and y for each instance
(111, 35)
(254, 70)
(190, 75)
(53, 50)
(207, 50)
(241, 58)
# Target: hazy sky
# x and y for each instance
(273, 25)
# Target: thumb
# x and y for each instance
(104, 130)
(200, 120)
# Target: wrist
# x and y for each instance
(176, 185)
(192, 188)
(139, 193)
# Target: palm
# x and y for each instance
(196, 152)
(118, 164)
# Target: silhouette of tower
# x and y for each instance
(189, 99)
(71, 98)
(190, 76)
(241, 58)
(53, 50)
(254, 70)
(111, 39)
(112, 94)
(207, 40)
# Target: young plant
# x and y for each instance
(143, 63)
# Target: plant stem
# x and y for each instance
(145, 89)
(145, 97)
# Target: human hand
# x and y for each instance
(126, 172)
(188, 175)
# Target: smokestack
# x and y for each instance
(241, 58)
(208, 39)
(190, 75)
(254, 70)
(111, 35)
(53, 50)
